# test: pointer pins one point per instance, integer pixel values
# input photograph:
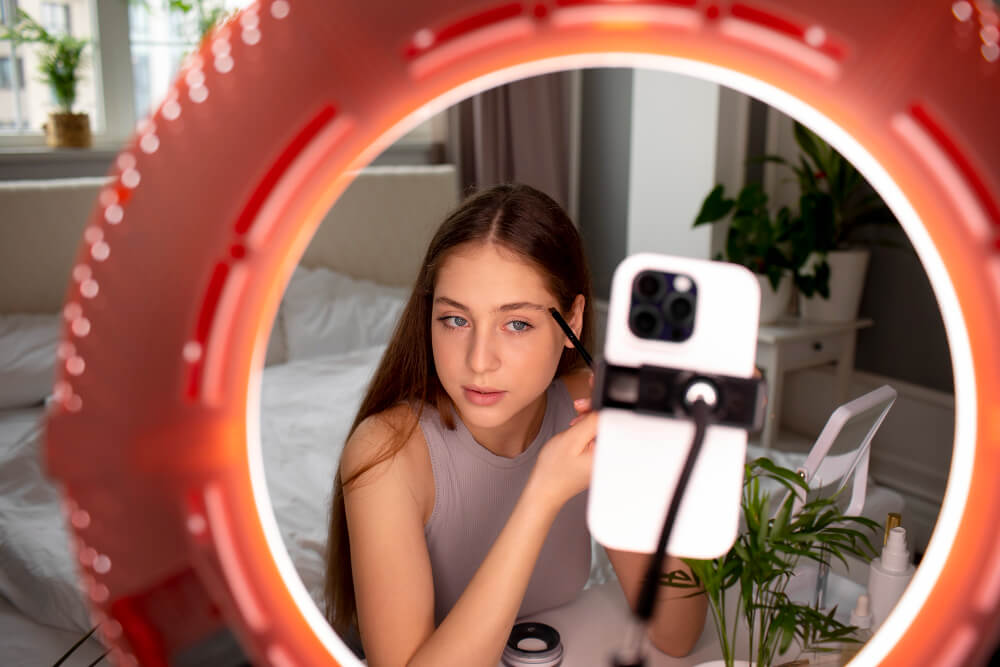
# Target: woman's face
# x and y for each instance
(496, 347)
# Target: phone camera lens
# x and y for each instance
(680, 308)
(646, 322)
(650, 286)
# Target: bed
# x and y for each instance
(331, 329)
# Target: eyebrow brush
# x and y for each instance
(572, 337)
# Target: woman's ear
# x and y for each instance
(576, 318)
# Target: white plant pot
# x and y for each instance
(847, 281)
(773, 304)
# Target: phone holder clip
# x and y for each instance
(670, 392)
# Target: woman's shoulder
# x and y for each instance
(393, 440)
(395, 429)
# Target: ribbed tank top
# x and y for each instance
(474, 494)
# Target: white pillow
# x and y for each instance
(27, 358)
(330, 313)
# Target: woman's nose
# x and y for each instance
(482, 355)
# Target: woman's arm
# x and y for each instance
(391, 565)
(679, 617)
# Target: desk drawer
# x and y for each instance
(807, 352)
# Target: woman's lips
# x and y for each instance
(482, 397)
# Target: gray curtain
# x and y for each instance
(517, 132)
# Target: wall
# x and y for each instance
(672, 163)
(605, 136)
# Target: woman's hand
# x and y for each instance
(566, 461)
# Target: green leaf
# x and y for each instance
(714, 208)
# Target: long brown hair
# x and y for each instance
(517, 217)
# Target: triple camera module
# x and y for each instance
(663, 306)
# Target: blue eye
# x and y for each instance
(519, 326)
(457, 323)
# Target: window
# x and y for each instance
(160, 38)
(54, 17)
(7, 73)
(25, 107)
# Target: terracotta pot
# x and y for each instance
(68, 130)
(774, 304)
(847, 282)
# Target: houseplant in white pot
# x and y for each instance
(755, 239)
(772, 542)
(61, 60)
(835, 203)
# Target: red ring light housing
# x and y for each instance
(218, 193)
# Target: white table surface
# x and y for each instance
(592, 627)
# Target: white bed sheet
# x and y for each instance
(25, 642)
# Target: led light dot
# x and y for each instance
(196, 524)
(991, 52)
(80, 519)
(100, 251)
(61, 391)
(171, 110)
(195, 78)
(249, 19)
(65, 350)
(191, 351)
(149, 143)
(114, 214)
(815, 36)
(74, 403)
(102, 564)
(80, 326)
(962, 10)
(198, 95)
(72, 310)
(224, 64)
(130, 178)
(93, 234)
(81, 272)
(89, 288)
(112, 629)
(423, 39)
(108, 197)
(221, 47)
(989, 34)
(126, 161)
(99, 593)
(251, 36)
(75, 365)
(280, 9)
(87, 556)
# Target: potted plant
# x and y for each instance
(60, 60)
(762, 561)
(835, 204)
(756, 240)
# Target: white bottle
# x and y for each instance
(889, 575)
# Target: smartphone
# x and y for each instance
(687, 314)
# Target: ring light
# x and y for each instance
(215, 198)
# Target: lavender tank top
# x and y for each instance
(475, 493)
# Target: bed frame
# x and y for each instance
(377, 230)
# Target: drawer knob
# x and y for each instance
(817, 346)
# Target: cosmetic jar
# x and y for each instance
(534, 644)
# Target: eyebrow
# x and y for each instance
(520, 305)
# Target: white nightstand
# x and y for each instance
(791, 344)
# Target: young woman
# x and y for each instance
(459, 505)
